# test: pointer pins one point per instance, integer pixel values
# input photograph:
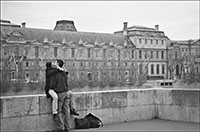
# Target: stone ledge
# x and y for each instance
(33, 112)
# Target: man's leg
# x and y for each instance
(54, 102)
(66, 111)
(58, 118)
(72, 104)
(71, 101)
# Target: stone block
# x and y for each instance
(186, 97)
(11, 124)
(163, 97)
(20, 106)
(194, 114)
(45, 122)
(139, 112)
(114, 99)
(107, 99)
(140, 97)
(119, 114)
(191, 98)
(88, 100)
(80, 101)
(96, 101)
(174, 112)
(45, 105)
(30, 123)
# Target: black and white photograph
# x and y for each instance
(100, 66)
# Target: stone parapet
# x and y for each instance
(33, 112)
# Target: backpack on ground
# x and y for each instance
(82, 123)
(95, 122)
(89, 121)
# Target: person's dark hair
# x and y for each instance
(60, 62)
(48, 65)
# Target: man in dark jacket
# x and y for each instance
(58, 83)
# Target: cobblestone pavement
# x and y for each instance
(147, 125)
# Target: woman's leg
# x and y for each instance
(54, 102)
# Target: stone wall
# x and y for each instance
(33, 112)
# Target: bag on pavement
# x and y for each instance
(95, 122)
(89, 121)
(82, 123)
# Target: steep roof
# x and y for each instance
(69, 36)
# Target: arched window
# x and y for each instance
(89, 76)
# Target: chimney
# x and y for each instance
(125, 25)
(157, 27)
(65, 25)
(125, 32)
(23, 24)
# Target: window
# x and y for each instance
(27, 64)
(156, 41)
(36, 51)
(5, 51)
(89, 77)
(104, 53)
(175, 54)
(151, 41)
(55, 51)
(126, 64)
(163, 69)
(157, 54)
(12, 75)
(151, 54)
(73, 52)
(132, 73)
(145, 55)
(140, 54)
(140, 41)
(162, 54)
(89, 53)
(82, 74)
(133, 54)
(27, 75)
(145, 41)
(81, 64)
(158, 69)
(96, 53)
(152, 69)
(162, 42)
(37, 74)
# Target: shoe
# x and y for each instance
(73, 112)
(55, 112)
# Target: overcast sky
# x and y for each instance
(178, 19)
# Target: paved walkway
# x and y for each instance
(147, 125)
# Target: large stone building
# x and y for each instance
(96, 59)
(150, 50)
(184, 59)
(129, 56)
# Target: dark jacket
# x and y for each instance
(58, 82)
(50, 72)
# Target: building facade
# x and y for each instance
(151, 49)
(184, 59)
(94, 59)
